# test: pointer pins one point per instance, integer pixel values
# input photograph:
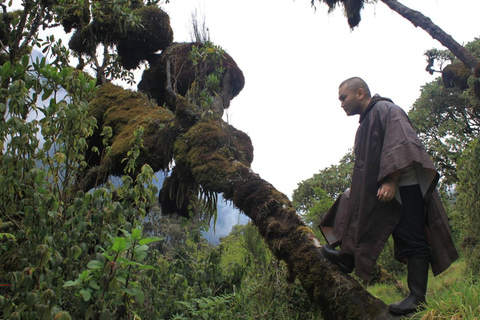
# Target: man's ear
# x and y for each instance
(360, 93)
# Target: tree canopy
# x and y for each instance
(314, 196)
(446, 115)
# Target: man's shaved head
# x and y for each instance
(356, 83)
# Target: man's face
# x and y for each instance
(350, 100)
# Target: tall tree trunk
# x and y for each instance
(420, 20)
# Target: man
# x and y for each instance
(392, 193)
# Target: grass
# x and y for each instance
(452, 295)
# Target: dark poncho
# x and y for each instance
(385, 142)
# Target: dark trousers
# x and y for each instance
(410, 236)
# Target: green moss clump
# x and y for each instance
(135, 42)
(142, 43)
(154, 80)
(456, 74)
(84, 40)
(209, 151)
(124, 110)
(73, 14)
(208, 157)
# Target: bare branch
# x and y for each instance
(420, 20)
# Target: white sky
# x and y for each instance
(293, 59)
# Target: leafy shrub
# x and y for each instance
(67, 253)
(469, 203)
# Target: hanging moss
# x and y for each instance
(476, 88)
(207, 155)
(352, 10)
(6, 20)
(5, 27)
(177, 196)
(136, 4)
(84, 40)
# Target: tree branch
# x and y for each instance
(420, 20)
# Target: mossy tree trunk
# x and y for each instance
(337, 294)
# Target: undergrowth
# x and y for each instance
(454, 294)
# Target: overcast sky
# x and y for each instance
(293, 59)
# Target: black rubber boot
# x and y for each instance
(345, 261)
(417, 279)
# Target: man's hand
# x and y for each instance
(386, 192)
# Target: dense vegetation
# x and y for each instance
(84, 229)
(82, 232)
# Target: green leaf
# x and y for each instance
(60, 157)
(109, 257)
(47, 145)
(140, 255)
(119, 245)
(95, 264)
(121, 280)
(141, 248)
(6, 67)
(53, 214)
(84, 276)
(66, 72)
(71, 283)
(25, 60)
(94, 285)
(90, 313)
(46, 94)
(86, 294)
(146, 267)
(92, 83)
(150, 240)
(136, 234)
(6, 235)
